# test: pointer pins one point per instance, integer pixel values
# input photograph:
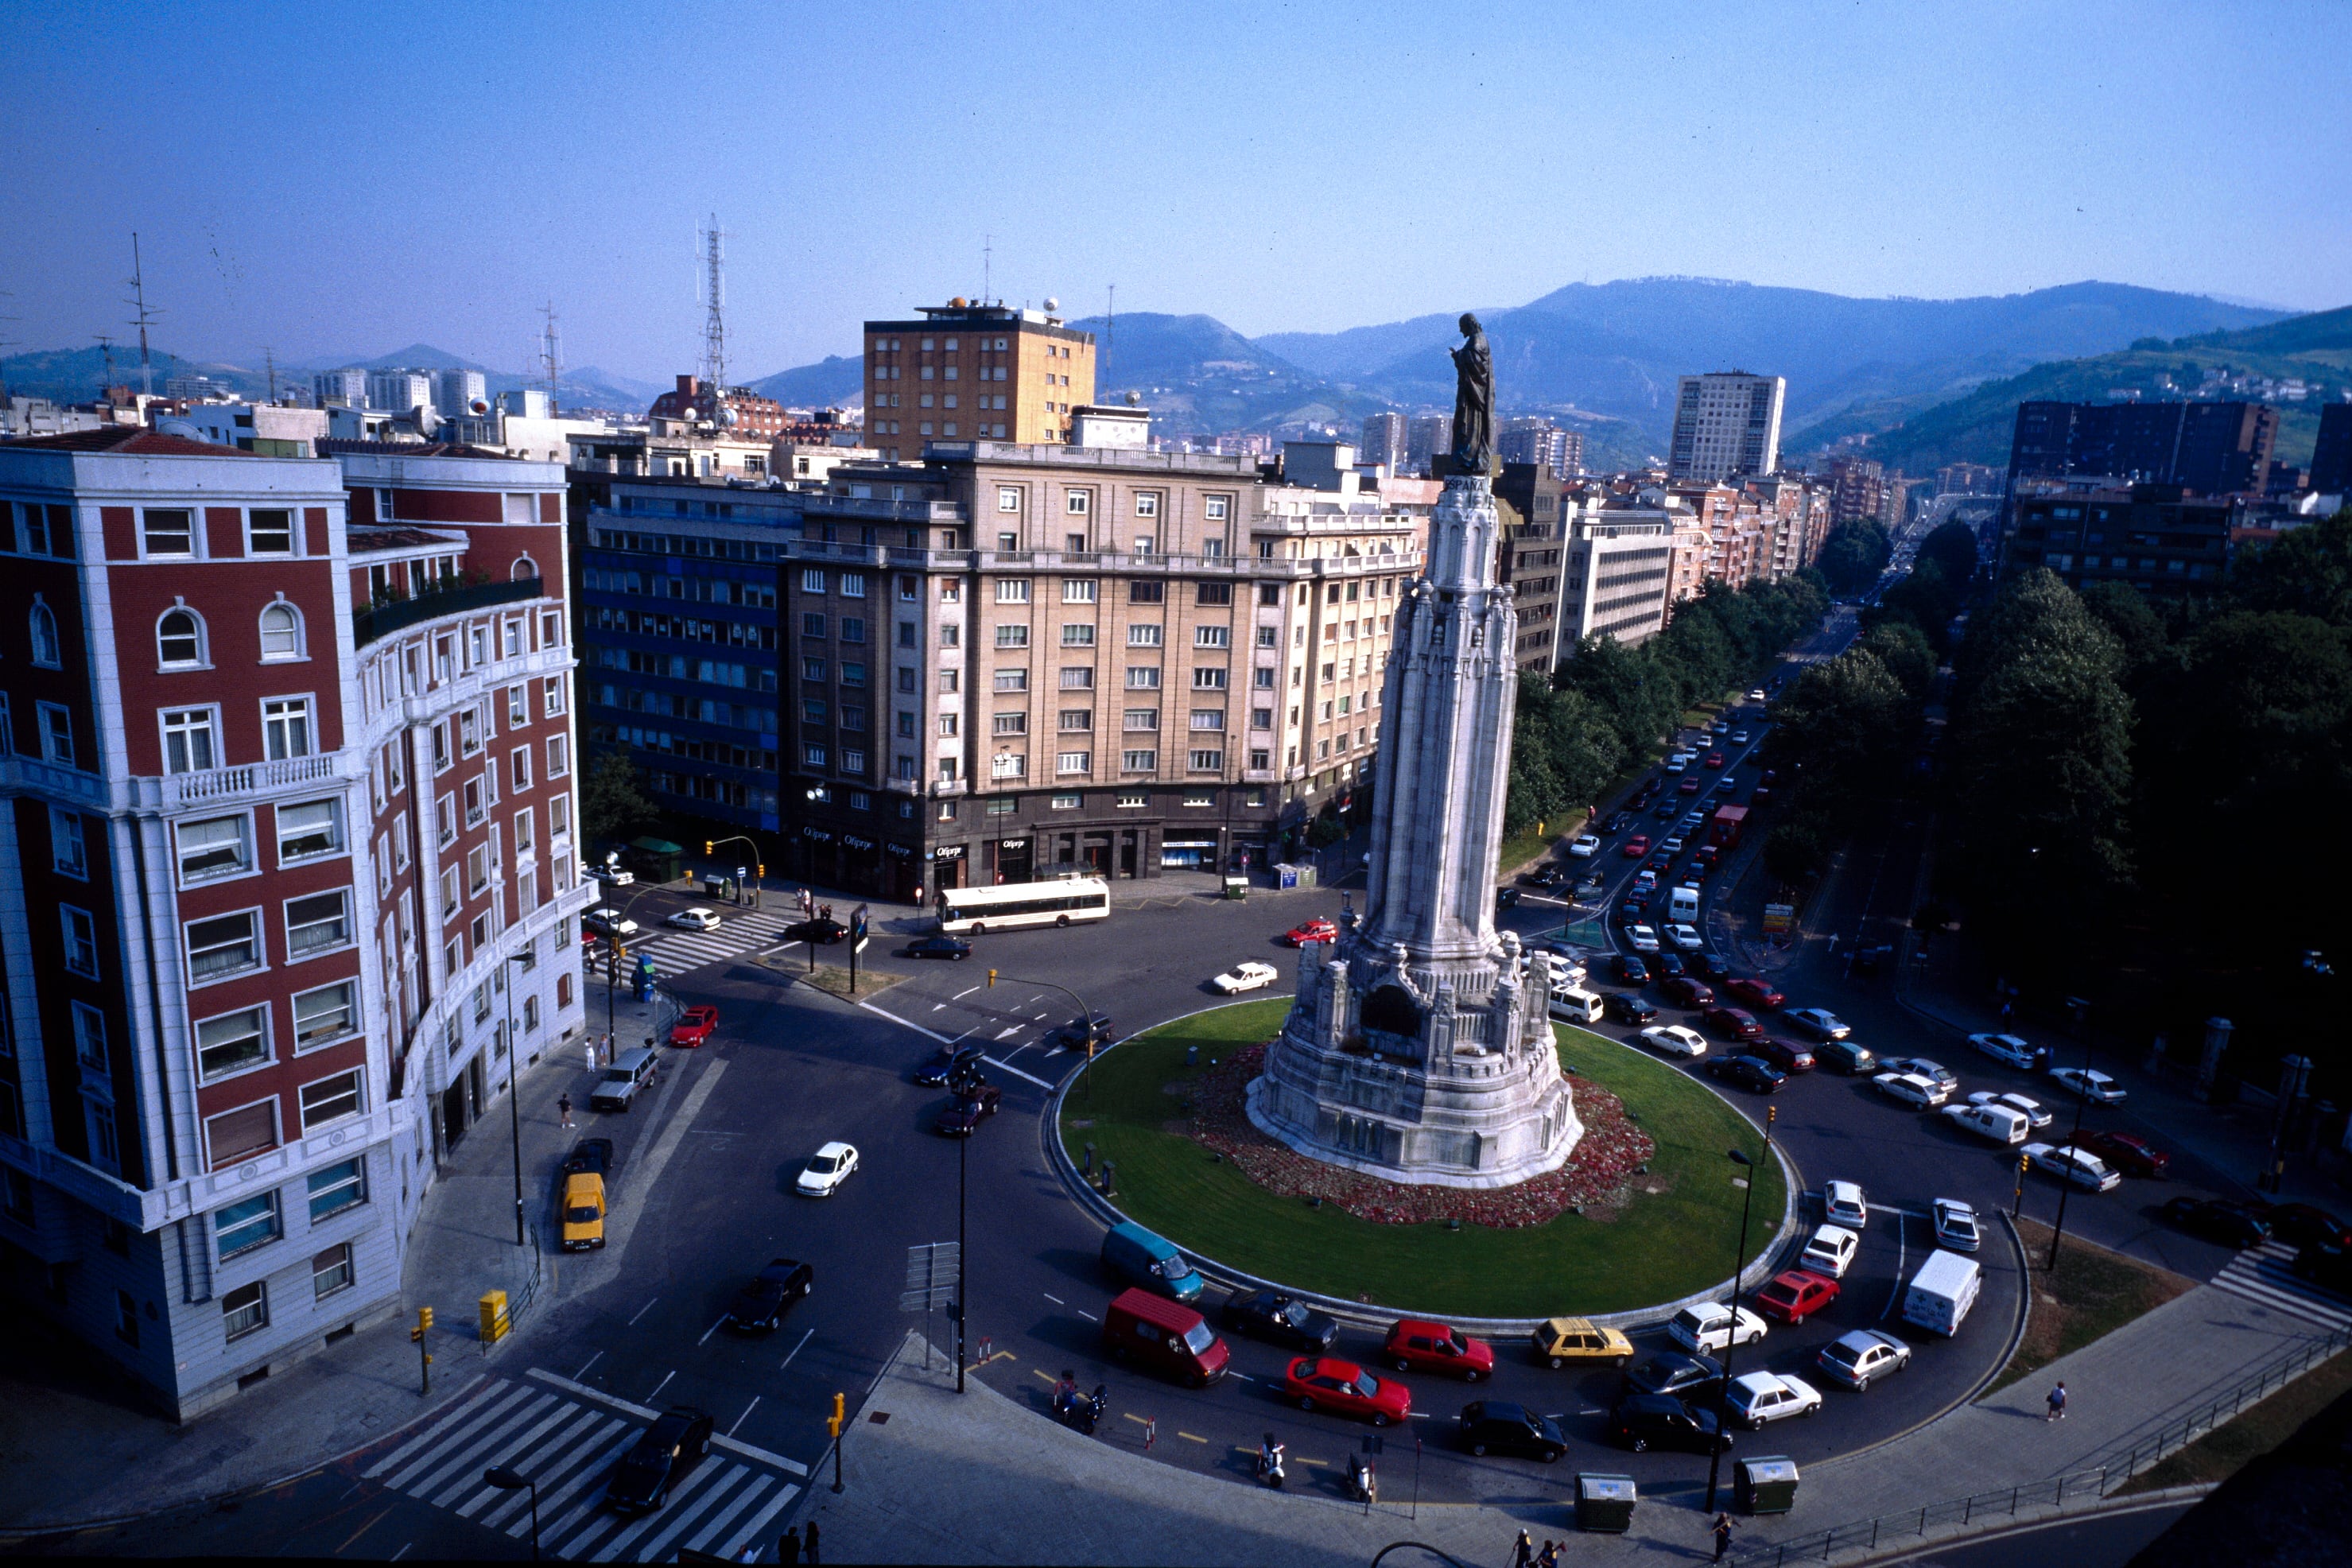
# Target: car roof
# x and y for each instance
(1842, 1189)
(1421, 1325)
(835, 1148)
(1759, 1382)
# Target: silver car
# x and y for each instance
(1857, 1360)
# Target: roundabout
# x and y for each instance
(1659, 1206)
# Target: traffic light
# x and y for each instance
(423, 1322)
(992, 977)
(764, 870)
(710, 846)
(833, 1423)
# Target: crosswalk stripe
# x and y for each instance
(688, 1498)
(726, 1514)
(455, 1476)
(682, 1511)
(490, 1390)
(508, 1395)
(2258, 1276)
(557, 1468)
(584, 1501)
(736, 1543)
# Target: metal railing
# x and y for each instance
(2078, 1488)
(370, 623)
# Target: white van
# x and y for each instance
(1573, 1005)
(1683, 906)
(2005, 1124)
(1942, 1293)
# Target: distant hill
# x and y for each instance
(75, 375)
(832, 382)
(1976, 427)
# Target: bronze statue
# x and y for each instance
(1473, 401)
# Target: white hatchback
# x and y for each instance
(2085, 1080)
(2010, 1048)
(1674, 1040)
(1910, 1088)
(1763, 1397)
(1707, 1328)
(1585, 848)
(2036, 1114)
(1831, 1251)
(1843, 1204)
(697, 919)
(1247, 976)
(826, 1170)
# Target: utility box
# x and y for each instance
(494, 1324)
(1604, 1503)
(1764, 1484)
(1237, 888)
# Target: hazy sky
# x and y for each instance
(341, 181)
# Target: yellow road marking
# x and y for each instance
(1190, 1438)
(1047, 1376)
(1325, 1463)
(1138, 1420)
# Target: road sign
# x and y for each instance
(862, 941)
(931, 1269)
(1779, 918)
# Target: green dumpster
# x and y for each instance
(1604, 1503)
(1764, 1483)
(1237, 888)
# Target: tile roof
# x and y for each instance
(337, 446)
(132, 440)
(395, 536)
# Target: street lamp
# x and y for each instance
(506, 1480)
(514, 1095)
(1731, 1334)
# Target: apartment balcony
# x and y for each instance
(379, 621)
(217, 785)
(30, 775)
(463, 689)
(883, 509)
(1116, 563)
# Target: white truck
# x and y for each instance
(1681, 906)
(1941, 1293)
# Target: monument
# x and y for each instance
(1420, 1047)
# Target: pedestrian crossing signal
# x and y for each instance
(992, 977)
(423, 1322)
(833, 1423)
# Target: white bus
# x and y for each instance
(1056, 903)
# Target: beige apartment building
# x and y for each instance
(1020, 658)
(967, 371)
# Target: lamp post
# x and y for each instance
(2074, 1141)
(1731, 1334)
(514, 1096)
(506, 1480)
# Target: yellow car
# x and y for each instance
(583, 1211)
(1559, 1340)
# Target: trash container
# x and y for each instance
(1237, 888)
(1604, 1503)
(1764, 1483)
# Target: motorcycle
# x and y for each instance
(1363, 1481)
(1269, 1466)
(1080, 1411)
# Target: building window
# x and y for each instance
(1213, 637)
(286, 728)
(1007, 766)
(169, 531)
(1144, 718)
(1209, 677)
(1009, 724)
(1074, 762)
(215, 846)
(269, 532)
(247, 1308)
(242, 1227)
(105, 1134)
(308, 829)
(1008, 497)
(1067, 802)
(1143, 634)
(330, 1100)
(1146, 503)
(281, 632)
(1012, 636)
(559, 756)
(1143, 591)
(1207, 762)
(1079, 591)
(329, 1013)
(852, 629)
(188, 740)
(1076, 719)
(223, 945)
(316, 924)
(180, 639)
(1214, 592)
(1013, 590)
(1143, 677)
(126, 1317)
(1138, 762)
(81, 940)
(68, 853)
(1215, 508)
(853, 585)
(57, 734)
(1208, 719)
(89, 1036)
(331, 1272)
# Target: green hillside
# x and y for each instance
(1976, 427)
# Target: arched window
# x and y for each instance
(524, 569)
(180, 638)
(281, 632)
(46, 647)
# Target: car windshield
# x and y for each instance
(1173, 1267)
(1293, 1314)
(1452, 1345)
(616, 1075)
(1366, 1385)
(580, 1214)
(822, 1166)
(1198, 1339)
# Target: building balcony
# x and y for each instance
(177, 791)
(30, 775)
(463, 689)
(381, 620)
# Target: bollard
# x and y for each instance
(1088, 1166)
(1191, 1055)
(1108, 1169)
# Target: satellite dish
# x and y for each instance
(478, 407)
(1052, 303)
(188, 429)
(727, 416)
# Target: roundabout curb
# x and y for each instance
(1361, 1314)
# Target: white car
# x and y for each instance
(2083, 1169)
(826, 1170)
(1831, 1251)
(1911, 1089)
(1674, 1040)
(1956, 1225)
(1762, 1397)
(1585, 848)
(1707, 1328)
(1247, 976)
(1642, 938)
(2036, 1114)
(1684, 937)
(2009, 1048)
(697, 919)
(1934, 1072)
(1672, 844)
(1757, 695)
(1740, 737)
(1843, 1204)
(2005, 1124)
(1819, 1022)
(609, 922)
(612, 875)
(2097, 1085)
(1562, 971)
(1678, 763)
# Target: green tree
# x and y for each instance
(2307, 571)
(612, 807)
(2138, 629)
(1640, 696)
(1904, 650)
(1855, 555)
(1952, 549)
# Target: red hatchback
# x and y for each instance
(1795, 1296)
(1635, 848)
(1313, 931)
(1415, 1345)
(1688, 786)
(1345, 1389)
(1755, 992)
(1715, 759)
(694, 1026)
(2132, 1156)
(1733, 1023)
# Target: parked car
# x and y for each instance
(1782, 1054)
(2328, 1265)
(2036, 1114)
(1819, 1022)
(1620, 1007)
(613, 875)
(609, 922)
(1684, 937)
(1708, 1327)
(1750, 1073)
(695, 919)
(1733, 1023)
(1585, 846)
(948, 1062)
(938, 944)
(1345, 1389)
(694, 1026)
(1250, 976)
(2010, 1049)
(1759, 1398)
(1755, 992)
(1795, 1295)
(760, 1307)
(1674, 1040)
(1831, 1251)
(1318, 928)
(1933, 1071)
(826, 1170)
(2217, 1219)
(582, 1180)
(1493, 1426)
(964, 1115)
(1843, 1204)
(1857, 1360)
(2088, 1082)
(1272, 1316)
(1506, 899)
(1684, 992)
(1910, 1088)
(1078, 1034)
(1415, 1344)
(1559, 1340)
(1629, 969)
(2133, 1156)
(1645, 1421)
(659, 1460)
(1672, 1371)
(2003, 1124)
(1956, 1225)
(2072, 1164)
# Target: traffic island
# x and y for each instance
(1657, 1226)
(2092, 1293)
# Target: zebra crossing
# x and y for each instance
(742, 930)
(2262, 1275)
(566, 1438)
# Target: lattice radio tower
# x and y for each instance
(714, 326)
(550, 365)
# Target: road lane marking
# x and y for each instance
(747, 1413)
(707, 1332)
(1895, 1294)
(927, 1034)
(1305, 1460)
(643, 1311)
(1138, 1420)
(592, 1361)
(1047, 1376)
(662, 1384)
(1090, 1317)
(795, 1350)
(1008, 1032)
(939, 1007)
(1186, 1436)
(964, 993)
(402, 1552)
(355, 1534)
(1016, 1072)
(1056, 1300)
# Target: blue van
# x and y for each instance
(1134, 1254)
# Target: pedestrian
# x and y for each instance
(808, 1545)
(1549, 1556)
(563, 1104)
(1722, 1535)
(1523, 1551)
(2057, 1403)
(590, 1043)
(788, 1549)
(750, 1553)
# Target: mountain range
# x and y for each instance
(75, 375)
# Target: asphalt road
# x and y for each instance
(2105, 1539)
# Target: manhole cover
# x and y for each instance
(878, 1418)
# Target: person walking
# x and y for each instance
(1523, 1551)
(1549, 1556)
(563, 1105)
(788, 1549)
(808, 1545)
(1722, 1535)
(2057, 1403)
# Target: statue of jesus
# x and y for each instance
(1473, 401)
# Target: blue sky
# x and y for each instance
(344, 180)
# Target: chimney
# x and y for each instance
(688, 387)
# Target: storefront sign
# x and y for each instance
(819, 834)
(1013, 843)
(900, 849)
(856, 843)
(947, 852)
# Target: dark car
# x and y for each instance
(1785, 1055)
(973, 1105)
(1616, 822)
(2135, 1157)
(1844, 1057)
(2217, 1219)
(1630, 969)
(1272, 1316)
(1075, 1034)
(662, 1456)
(2301, 1224)
(1876, 959)
(1491, 1425)
(1756, 992)
(1668, 965)
(592, 1155)
(1620, 1008)
(1733, 1023)
(1670, 1371)
(759, 1306)
(1688, 993)
(1506, 898)
(1543, 876)
(2327, 1266)
(823, 932)
(950, 1062)
(1661, 1421)
(1747, 1072)
(1705, 964)
(938, 945)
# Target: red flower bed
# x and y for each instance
(1597, 1175)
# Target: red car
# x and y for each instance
(1733, 1023)
(1415, 1345)
(1345, 1389)
(1316, 929)
(1795, 1296)
(1755, 992)
(1684, 992)
(1786, 1054)
(1636, 847)
(694, 1026)
(1688, 786)
(1715, 759)
(2132, 1156)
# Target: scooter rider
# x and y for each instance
(1361, 1479)
(1270, 1459)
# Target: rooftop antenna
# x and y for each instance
(106, 346)
(714, 328)
(549, 365)
(987, 264)
(1110, 333)
(139, 299)
(269, 368)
